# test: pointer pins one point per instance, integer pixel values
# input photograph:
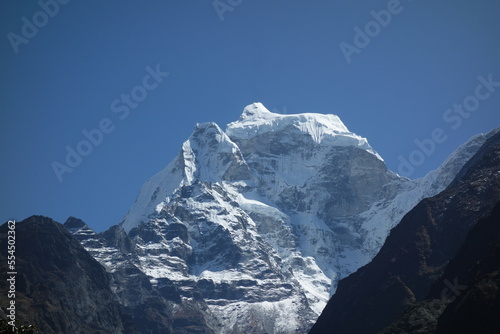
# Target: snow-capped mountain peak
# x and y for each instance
(286, 204)
(325, 129)
(254, 111)
(257, 119)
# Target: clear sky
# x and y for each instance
(73, 66)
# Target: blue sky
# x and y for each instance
(63, 78)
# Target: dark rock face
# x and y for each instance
(466, 298)
(477, 306)
(59, 286)
(414, 264)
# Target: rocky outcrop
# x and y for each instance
(146, 308)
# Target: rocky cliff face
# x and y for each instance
(59, 286)
(428, 259)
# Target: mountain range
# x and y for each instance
(251, 228)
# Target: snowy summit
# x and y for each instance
(257, 119)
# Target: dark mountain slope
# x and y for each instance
(477, 309)
(59, 286)
(466, 298)
(416, 252)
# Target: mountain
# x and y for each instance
(58, 286)
(247, 230)
(255, 225)
(438, 271)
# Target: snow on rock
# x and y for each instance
(208, 155)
